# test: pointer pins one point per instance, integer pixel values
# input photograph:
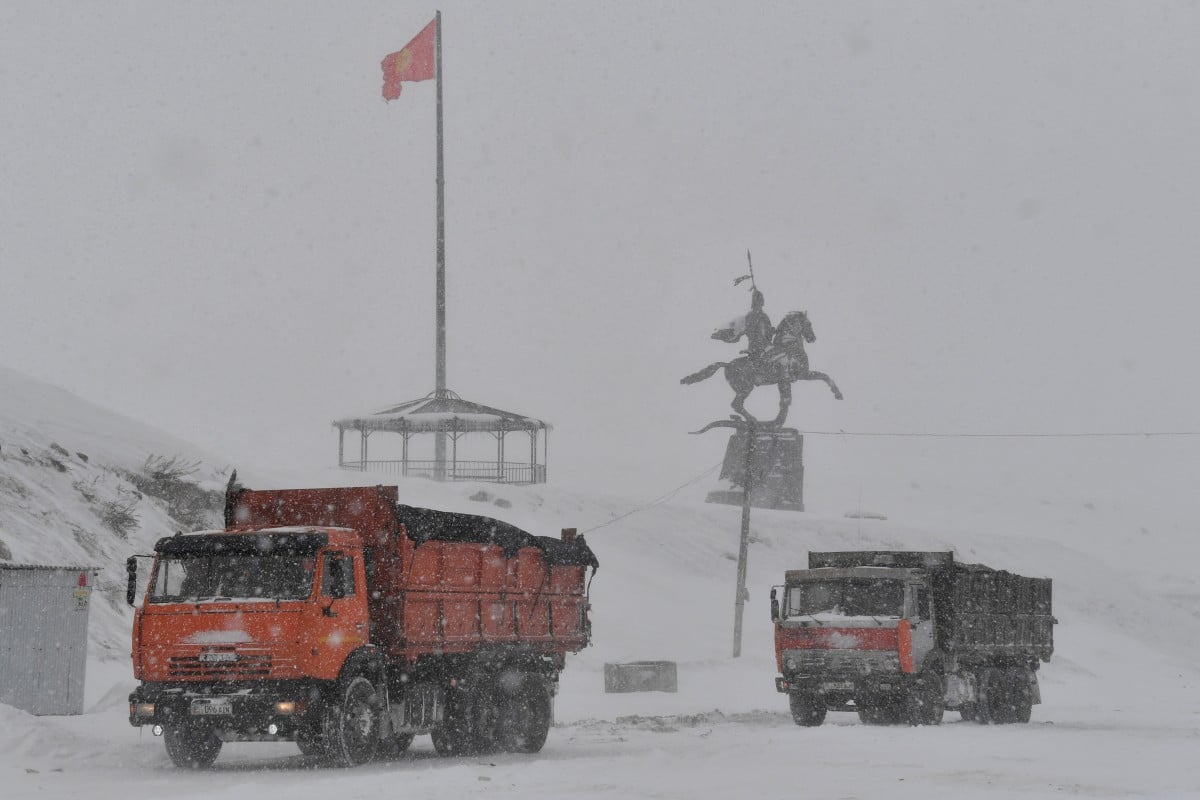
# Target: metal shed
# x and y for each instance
(43, 636)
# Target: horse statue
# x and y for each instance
(782, 363)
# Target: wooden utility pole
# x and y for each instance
(739, 603)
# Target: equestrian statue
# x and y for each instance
(773, 355)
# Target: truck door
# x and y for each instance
(920, 618)
(342, 624)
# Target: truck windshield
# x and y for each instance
(201, 577)
(850, 597)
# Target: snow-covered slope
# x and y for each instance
(64, 468)
(1128, 639)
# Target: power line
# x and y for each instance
(656, 500)
(913, 435)
(1077, 435)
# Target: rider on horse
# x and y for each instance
(759, 330)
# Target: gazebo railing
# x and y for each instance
(490, 471)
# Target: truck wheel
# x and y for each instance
(310, 744)
(525, 716)
(394, 747)
(192, 748)
(1020, 696)
(967, 711)
(994, 703)
(925, 701)
(485, 716)
(451, 738)
(464, 729)
(808, 710)
(350, 726)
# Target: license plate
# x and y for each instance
(218, 658)
(838, 686)
(206, 708)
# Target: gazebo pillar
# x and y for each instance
(499, 457)
(533, 470)
(341, 446)
(362, 458)
(404, 434)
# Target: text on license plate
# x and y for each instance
(205, 708)
(838, 686)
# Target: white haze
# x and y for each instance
(211, 223)
(1119, 718)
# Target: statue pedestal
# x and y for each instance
(778, 465)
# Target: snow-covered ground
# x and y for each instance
(1120, 718)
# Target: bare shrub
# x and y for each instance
(167, 470)
(118, 516)
(87, 489)
(167, 478)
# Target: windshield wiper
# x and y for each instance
(814, 619)
(214, 598)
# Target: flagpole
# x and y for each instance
(440, 438)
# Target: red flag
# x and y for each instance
(413, 63)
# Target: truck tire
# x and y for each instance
(968, 711)
(350, 724)
(1020, 696)
(394, 746)
(994, 707)
(310, 744)
(469, 724)
(485, 720)
(453, 736)
(808, 710)
(191, 747)
(525, 716)
(925, 702)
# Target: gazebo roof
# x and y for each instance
(447, 413)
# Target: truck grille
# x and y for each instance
(841, 663)
(248, 665)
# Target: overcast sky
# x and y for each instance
(211, 221)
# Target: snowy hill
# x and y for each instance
(70, 495)
(1127, 644)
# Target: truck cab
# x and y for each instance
(900, 636)
(250, 626)
(847, 636)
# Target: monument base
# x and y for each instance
(777, 466)
(733, 497)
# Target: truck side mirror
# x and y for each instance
(130, 579)
(774, 607)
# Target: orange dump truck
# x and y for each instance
(349, 623)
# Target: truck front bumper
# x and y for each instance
(879, 683)
(277, 711)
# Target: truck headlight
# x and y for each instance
(285, 707)
(143, 709)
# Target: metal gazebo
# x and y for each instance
(445, 414)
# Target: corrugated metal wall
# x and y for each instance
(43, 637)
